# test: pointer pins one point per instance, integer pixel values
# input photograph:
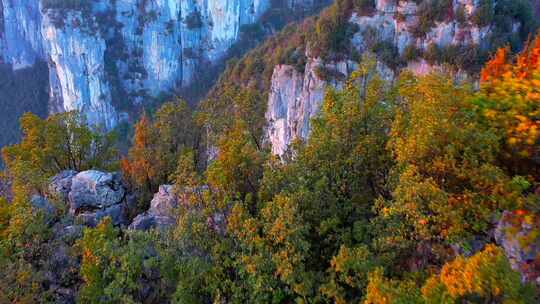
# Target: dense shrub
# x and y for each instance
(432, 54)
(388, 53)
(329, 74)
(484, 14)
(393, 198)
(411, 53)
(364, 7)
(333, 31)
(61, 142)
(157, 144)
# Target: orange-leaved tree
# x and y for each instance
(157, 145)
(509, 102)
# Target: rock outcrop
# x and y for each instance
(165, 209)
(76, 56)
(60, 184)
(517, 234)
(40, 203)
(92, 195)
(105, 55)
(21, 43)
(89, 196)
(95, 195)
(161, 213)
(295, 97)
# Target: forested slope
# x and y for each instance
(415, 188)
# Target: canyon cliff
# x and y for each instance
(105, 56)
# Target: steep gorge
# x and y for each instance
(105, 57)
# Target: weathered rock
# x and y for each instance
(60, 184)
(22, 44)
(140, 47)
(69, 233)
(76, 56)
(143, 221)
(117, 213)
(42, 204)
(148, 221)
(94, 190)
(218, 223)
(161, 213)
(164, 202)
(93, 195)
(61, 272)
(295, 97)
(517, 234)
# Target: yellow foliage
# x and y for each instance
(487, 274)
(510, 100)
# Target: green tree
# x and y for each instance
(132, 267)
(60, 142)
(485, 277)
(24, 249)
(219, 114)
(448, 184)
(313, 211)
(157, 144)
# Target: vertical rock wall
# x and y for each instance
(76, 60)
(140, 47)
(22, 45)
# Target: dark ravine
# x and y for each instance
(23, 90)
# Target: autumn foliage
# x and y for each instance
(510, 103)
(426, 190)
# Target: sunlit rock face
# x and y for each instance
(141, 48)
(21, 42)
(295, 97)
(76, 65)
(167, 40)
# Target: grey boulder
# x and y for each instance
(143, 221)
(95, 190)
(92, 195)
(39, 203)
(162, 211)
(60, 184)
(164, 202)
(117, 213)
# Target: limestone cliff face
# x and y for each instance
(295, 97)
(76, 67)
(138, 47)
(21, 43)
(166, 41)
